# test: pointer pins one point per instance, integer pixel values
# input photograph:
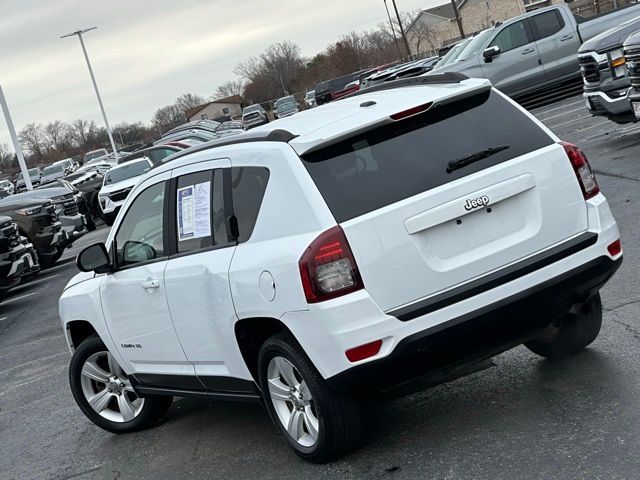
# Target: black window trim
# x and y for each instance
(171, 218)
(164, 258)
(534, 28)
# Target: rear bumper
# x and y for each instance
(327, 330)
(445, 350)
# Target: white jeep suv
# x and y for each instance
(378, 244)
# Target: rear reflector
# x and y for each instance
(411, 112)
(364, 351)
(581, 167)
(328, 268)
(615, 248)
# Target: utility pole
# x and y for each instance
(454, 3)
(79, 33)
(16, 143)
(404, 36)
(393, 31)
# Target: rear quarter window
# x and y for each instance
(397, 161)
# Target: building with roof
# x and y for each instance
(229, 106)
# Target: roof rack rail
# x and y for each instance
(435, 79)
(278, 135)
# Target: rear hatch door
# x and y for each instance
(419, 227)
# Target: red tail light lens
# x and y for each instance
(363, 351)
(328, 268)
(411, 112)
(615, 248)
(586, 178)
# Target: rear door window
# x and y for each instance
(248, 187)
(394, 162)
(547, 24)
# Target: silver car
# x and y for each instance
(254, 116)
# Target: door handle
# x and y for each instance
(151, 284)
(565, 38)
(527, 51)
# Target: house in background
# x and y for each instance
(230, 106)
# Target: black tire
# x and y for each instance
(154, 408)
(90, 222)
(572, 333)
(108, 219)
(338, 416)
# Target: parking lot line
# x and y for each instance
(562, 114)
(556, 108)
(570, 121)
(36, 282)
(18, 298)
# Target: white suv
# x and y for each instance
(378, 244)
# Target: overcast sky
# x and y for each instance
(147, 52)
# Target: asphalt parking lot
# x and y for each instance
(522, 417)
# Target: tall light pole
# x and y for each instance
(393, 32)
(16, 143)
(404, 36)
(95, 85)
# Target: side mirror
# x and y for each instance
(137, 252)
(94, 258)
(491, 52)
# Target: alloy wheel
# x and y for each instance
(293, 402)
(108, 390)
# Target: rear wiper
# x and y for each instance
(474, 157)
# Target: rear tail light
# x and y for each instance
(328, 268)
(615, 248)
(586, 178)
(363, 351)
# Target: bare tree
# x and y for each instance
(169, 116)
(7, 157)
(57, 135)
(83, 132)
(229, 89)
(423, 38)
(33, 140)
(187, 101)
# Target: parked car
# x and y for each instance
(414, 69)
(88, 180)
(117, 184)
(324, 90)
(7, 186)
(156, 154)
(338, 263)
(604, 72)
(632, 59)
(286, 106)
(18, 258)
(38, 223)
(34, 174)
(254, 116)
(310, 99)
(535, 50)
(232, 127)
(196, 134)
(93, 154)
(68, 164)
(75, 205)
(51, 173)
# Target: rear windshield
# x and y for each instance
(394, 162)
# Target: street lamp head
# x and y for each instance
(78, 32)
